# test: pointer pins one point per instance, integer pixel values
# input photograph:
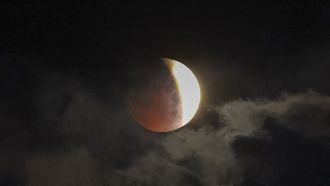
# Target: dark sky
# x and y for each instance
(66, 70)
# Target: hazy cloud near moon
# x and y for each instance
(97, 144)
(305, 113)
(207, 157)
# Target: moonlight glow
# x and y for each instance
(188, 86)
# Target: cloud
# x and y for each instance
(306, 113)
(75, 167)
(209, 156)
(242, 145)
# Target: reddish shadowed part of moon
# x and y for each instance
(167, 102)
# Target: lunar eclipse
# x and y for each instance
(169, 102)
(89, 96)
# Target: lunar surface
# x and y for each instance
(168, 99)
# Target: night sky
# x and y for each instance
(66, 71)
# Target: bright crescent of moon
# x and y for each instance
(188, 87)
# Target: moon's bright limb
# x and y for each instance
(188, 87)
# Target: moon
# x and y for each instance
(169, 101)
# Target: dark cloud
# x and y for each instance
(75, 167)
(80, 138)
(287, 159)
(258, 139)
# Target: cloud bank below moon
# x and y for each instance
(229, 155)
(248, 142)
(209, 155)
